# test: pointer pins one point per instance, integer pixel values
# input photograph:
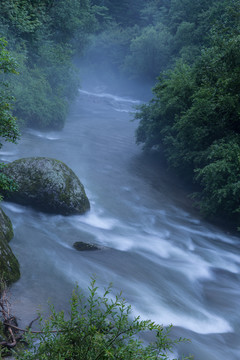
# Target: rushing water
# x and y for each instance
(171, 266)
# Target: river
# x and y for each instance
(171, 266)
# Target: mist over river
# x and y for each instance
(171, 266)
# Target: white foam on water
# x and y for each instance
(123, 110)
(194, 221)
(207, 234)
(65, 245)
(194, 268)
(5, 160)
(182, 260)
(109, 96)
(48, 136)
(95, 220)
(197, 319)
(152, 305)
(8, 153)
(226, 261)
(156, 249)
(209, 324)
(121, 243)
(80, 275)
(15, 208)
(196, 260)
(190, 244)
(127, 188)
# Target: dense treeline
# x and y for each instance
(195, 113)
(42, 36)
(146, 38)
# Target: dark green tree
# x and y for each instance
(195, 117)
(44, 36)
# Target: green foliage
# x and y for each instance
(98, 327)
(172, 98)
(220, 178)
(45, 35)
(43, 91)
(195, 117)
(37, 105)
(72, 21)
(8, 126)
(167, 30)
(24, 17)
(149, 52)
(155, 12)
(111, 46)
(124, 13)
(6, 183)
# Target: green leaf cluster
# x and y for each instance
(98, 327)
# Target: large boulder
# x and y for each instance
(9, 266)
(48, 185)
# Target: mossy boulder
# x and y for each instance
(48, 185)
(9, 266)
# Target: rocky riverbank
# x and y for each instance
(9, 266)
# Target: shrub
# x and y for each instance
(98, 328)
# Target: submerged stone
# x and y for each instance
(48, 185)
(82, 246)
(9, 266)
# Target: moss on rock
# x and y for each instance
(6, 229)
(47, 184)
(9, 266)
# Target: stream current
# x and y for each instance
(171, 266)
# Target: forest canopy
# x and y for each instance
(194, 116)
(43, 36)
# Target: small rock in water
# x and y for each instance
(82, 246)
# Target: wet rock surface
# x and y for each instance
(48, 185)
(82, 246)
(9, 266)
